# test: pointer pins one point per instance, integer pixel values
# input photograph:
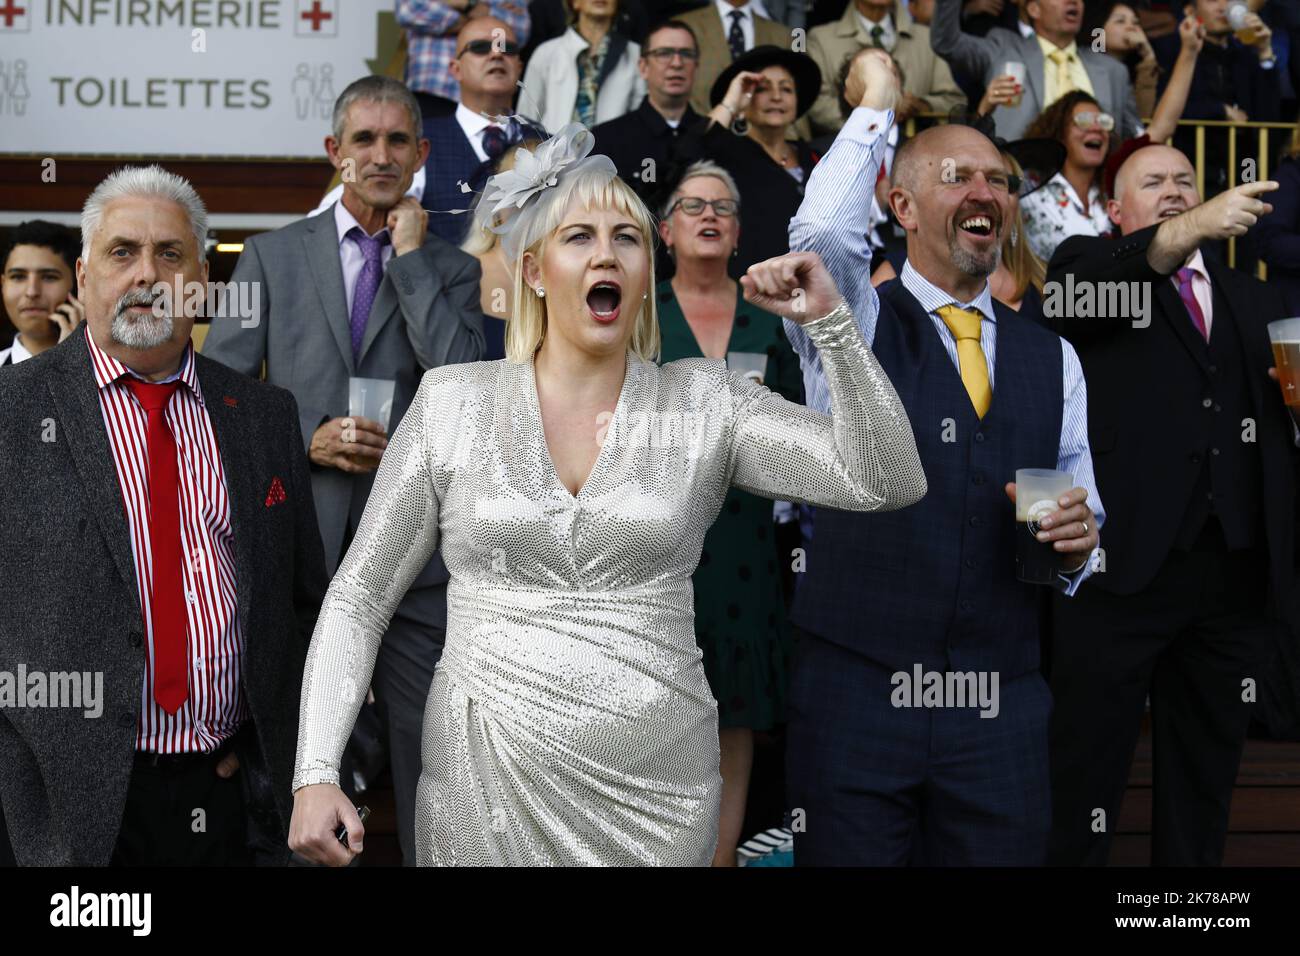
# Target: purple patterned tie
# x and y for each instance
(363, 297)
(1189, 300)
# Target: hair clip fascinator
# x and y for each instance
(515, 199)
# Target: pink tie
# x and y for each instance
(1189, 299)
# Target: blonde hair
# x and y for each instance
(589, 188)
(1025, 266)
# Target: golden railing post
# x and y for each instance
(1261, 269)
(1200, 160)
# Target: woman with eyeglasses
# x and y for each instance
(1071, 202)
(756, 100)
(587, 75)
(740, 622)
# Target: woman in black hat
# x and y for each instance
(755, 102)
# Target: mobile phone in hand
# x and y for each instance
(342, 832)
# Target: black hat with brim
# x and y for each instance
(1039, 159)
(807, 78)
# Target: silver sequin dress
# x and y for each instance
(569, 720)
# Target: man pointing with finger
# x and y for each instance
(884, 771)
(364, 291)
(1195, 454)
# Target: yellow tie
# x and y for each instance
(965, 328)
(1064, 76)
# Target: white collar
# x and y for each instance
(725, 10)
(1195, 262)
(886, 24)
(344, 221)
(17, 353)
(933, 298)
(472, 123)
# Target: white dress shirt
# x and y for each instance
(350, 256)
(725, 11)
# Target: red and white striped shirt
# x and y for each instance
(215, 706)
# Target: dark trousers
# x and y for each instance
(403, 672)
(180, 813)
(1189, 640)
(877, 785)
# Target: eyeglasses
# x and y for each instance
(665, 53)
(1090, 118)
(693, 206)
(484, 47)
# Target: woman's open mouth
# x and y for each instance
(603, 300)
(1095, 142)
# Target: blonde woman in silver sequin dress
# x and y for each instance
(570, 486)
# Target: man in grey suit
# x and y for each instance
(364, 291)
(163, 568)
(1054, 63)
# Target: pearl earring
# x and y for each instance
(541, 293)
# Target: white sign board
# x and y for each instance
(180, 77)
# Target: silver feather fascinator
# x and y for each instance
(516, 200)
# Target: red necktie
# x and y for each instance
(170, 686)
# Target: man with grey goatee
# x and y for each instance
(160, 535)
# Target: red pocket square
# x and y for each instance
(276, 495)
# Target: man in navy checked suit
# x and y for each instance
(464, 145)
(875, 775)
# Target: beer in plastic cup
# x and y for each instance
(1038, 493)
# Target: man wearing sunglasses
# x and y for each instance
(640, 142)
(464, 145)
(432, 31)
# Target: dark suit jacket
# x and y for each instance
(1145, 388)
(1224, 76)
(640, 135)
(451, 161)
(426, 314)
(72, 598)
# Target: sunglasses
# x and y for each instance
(693, 206)
(1091, 118)
(485, 47)
(665, 53)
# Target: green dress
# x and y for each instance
(740, 621)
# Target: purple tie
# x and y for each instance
(367, 283)
(494, 141)
(1189, 299)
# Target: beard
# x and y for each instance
(973, 263)
(140, 332)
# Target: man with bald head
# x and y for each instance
(918, 716)
(464, 145)
(1195, 456)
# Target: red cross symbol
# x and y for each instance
(9, 12)
(315, 15)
